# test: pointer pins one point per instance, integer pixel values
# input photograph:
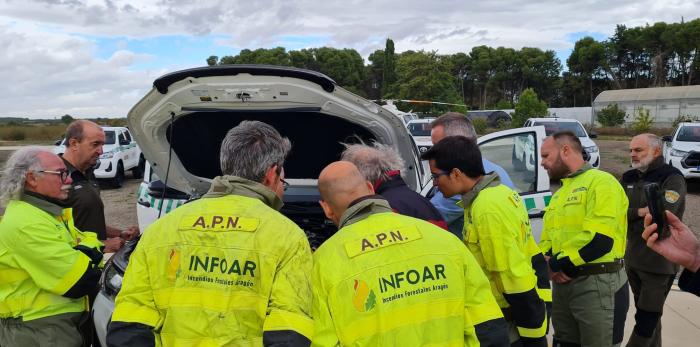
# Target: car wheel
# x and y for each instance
(137, 171)
(118, 179)
(518, 164)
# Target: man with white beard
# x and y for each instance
(650, 275)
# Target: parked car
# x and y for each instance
(682, 149)
(420, 131)
(181, 122)
(552, 125)
(120, 153)
(493, 118)
(404, 116)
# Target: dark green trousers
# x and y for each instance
(56, 331)
(590, 311)
(650, 291)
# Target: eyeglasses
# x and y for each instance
(63, 173)
(437, 175)
(285, 184)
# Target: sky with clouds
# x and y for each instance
(91, 58)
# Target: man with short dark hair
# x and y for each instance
(48, 268)
(84, 141)
(457, 124)
(497, 231)
(227, 269)
(584, 233)
(650, 275)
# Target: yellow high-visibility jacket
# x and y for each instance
(497, 231)
(38, 263)
(222, 270)
(589, 202)
(385, 279)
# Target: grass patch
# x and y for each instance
(32, 133)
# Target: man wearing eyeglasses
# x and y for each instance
(227, 269)
(84, 140)
(497, 231)
(48, 268)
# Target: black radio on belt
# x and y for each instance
(657, 209)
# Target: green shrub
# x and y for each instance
(528, 106)
(15, 135)
(480, 125)
(611, 116)
(684, 118)
(642, 121)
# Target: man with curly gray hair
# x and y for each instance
(49, 268)
(381, 165)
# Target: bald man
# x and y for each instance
(390, 279)
(650, 275)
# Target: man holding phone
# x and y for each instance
(650, 275)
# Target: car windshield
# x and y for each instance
(419, 129)
(552, 127)
(689, 133)
(109, 137)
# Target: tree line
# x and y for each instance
(494, 78)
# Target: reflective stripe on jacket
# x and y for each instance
(221, 270)
(497, 232)
(38, 263)
(589, 201)
(385, 279)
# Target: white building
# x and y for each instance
(664, 104)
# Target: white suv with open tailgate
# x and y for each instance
(180, 124)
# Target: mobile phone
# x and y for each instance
(657, 210)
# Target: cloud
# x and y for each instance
(51, 74)
(56, 61)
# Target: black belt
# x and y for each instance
(600, 268)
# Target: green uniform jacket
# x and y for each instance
(37, 261)
(589, 203)
(385, 279)
(497, 231)
(223, 270)
(672, 184)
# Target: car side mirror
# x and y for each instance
(593, 135)
(666, 138)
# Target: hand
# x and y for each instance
(643, 211)
(113, 244)
(130, 233)
(560, 277)
(556, 277)
(681, 247)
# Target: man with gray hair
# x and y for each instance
(650, 275)
(227, 269)
(48, 268)
(381, 165)
(457, 124)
